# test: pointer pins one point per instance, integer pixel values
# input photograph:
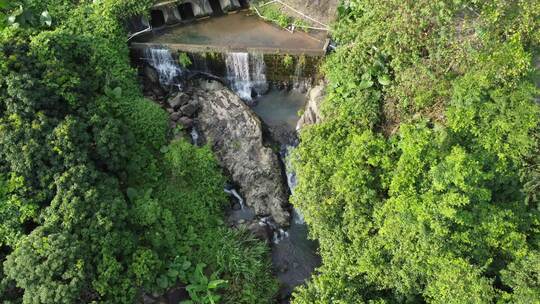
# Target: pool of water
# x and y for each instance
(280, 108)
(241, 30)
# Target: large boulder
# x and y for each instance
(189, 109)
(235, 134)
(312, 112)
(177, 100)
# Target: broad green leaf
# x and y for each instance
(366, 76)
(384, 80)
(117, 92)
(172, 273)
(131, 193)
(217, 283)
(186, 265)
(365, 84)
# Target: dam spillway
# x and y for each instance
(239, 31)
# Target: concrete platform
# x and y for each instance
(237, 32)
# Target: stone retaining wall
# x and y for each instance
(279, 67)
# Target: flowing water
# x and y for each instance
(194, 136)
(238, 74)
(300, 83)
(167, 68)
(293, 254)
(236, 195)
(246, 74)
(199, 63)
(258, 74)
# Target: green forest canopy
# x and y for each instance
(422, 182)
(95, 205)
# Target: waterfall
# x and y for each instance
(167, 68)
(238, 74)
(300, 84)
(297, 215)
(246, 74)
(200, 64)
(285, 153)
(259, 83)
(194, 136)
(279, 234)
(234, 193)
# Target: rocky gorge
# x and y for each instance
(251, 125)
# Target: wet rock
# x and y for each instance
(151, 74)
(148, 300)
(262, 232)
(158, 91)
(177, 294)
(178, 100)
(175, 116)
(283, 134)
(186, 122)
(189, 109)
(235, 134)
(210, 85)
(236, 207)
(312, 112)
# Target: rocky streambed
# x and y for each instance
(251, 140)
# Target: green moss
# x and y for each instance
(184, 60)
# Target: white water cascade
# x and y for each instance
(300, 83)
(297, 215)
(167, 68)
(194, 136)
(235, 193)
(246, 74)
(258, 75)
(238, 74)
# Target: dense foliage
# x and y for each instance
(95, 206)
(421, 184)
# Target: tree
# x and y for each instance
(415, 183)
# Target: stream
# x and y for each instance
(294, 256)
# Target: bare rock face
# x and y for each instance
(234, 132)
(312, 113)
